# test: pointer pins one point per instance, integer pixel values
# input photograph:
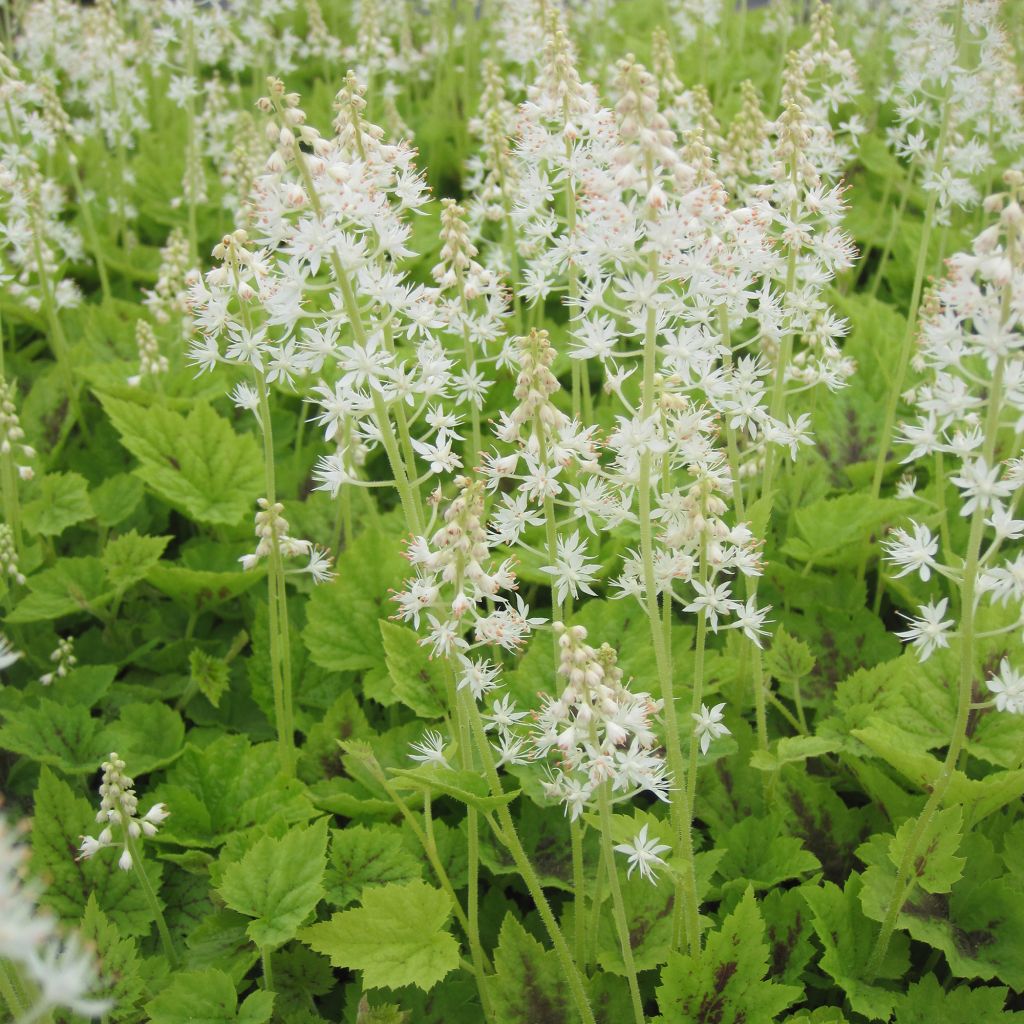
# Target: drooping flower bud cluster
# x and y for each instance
(63, 659)
(168, 299)
(118, 814)
(598, 728)
(152, 362)
(9, 555)
(12, 437)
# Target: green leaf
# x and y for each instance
(758, 853)
(225, 786)
(529, 982)
(648, 921)
(791, 750)
(321, 756)
(211, 675)
(220, 940)
(978, 925)
(120, 967)
(279, 883)
(397, 937)
(60, 819)
(207, 997)
(130, 557)
(465, 786)
(848, 938)
(72, 585)
(116, 498)
(935, 867)
(147, 736)
(789, 659)
(342, 631)
(417, 680)
(729, 982)
(834, 531)
(788, 927)
(196, 463)
(199, 589)
(61, 736)
(57, 501)
(362, 856)
(927, 1002)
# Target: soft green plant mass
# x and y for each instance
(510, 511)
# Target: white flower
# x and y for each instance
(571, 570)
(430, 750)
(1008, 686)
(480, 676)
(930, 630)
(644, 855)
(914, 553)
(709, 725)
(714, 600)
(8, 655)
(751, 620)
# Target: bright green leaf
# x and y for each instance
(196, 463)
(417, 679)
(210, 675)
(129, 558)
(207, 997)
(397, 937)
(57, 501)
(72, 585)
(278, 883)
(362, 856)
(848, 938)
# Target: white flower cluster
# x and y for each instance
(457, 579)
(970, 421)
(119, 813)
(955, 90)
(272, 533)
(152, 362)
(600, 730)
(59, 969)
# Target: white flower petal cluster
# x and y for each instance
(272, 533)
(598, 729)
(467, 597)
(118, 813)
(970, 414)
(59, 969)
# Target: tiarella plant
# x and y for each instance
(532, 491)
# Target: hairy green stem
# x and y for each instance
(618, 907)
(510, 837)
(151, 898)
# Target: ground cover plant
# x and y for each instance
(509, 511)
